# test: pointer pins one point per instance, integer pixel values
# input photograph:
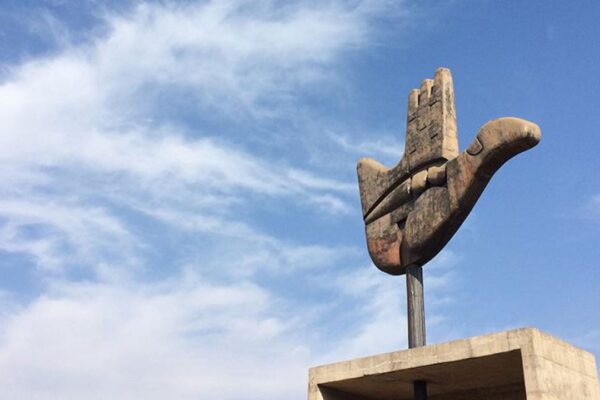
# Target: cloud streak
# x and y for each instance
(80, 124)
(128, 157)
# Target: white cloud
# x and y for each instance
(99, 172)
(184, 339)
(187, 336)
(87, 107)
(387, 147)
(378, 301)
(81, 121)
(49, 231)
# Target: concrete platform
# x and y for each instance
(514, 365)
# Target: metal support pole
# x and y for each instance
(416, 306)
(416, 318)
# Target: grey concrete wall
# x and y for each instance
(514, 365)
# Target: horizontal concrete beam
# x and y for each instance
(514, 365)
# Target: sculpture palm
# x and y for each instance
(413, 209)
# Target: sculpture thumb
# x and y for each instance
(496, 142)
(501, 139)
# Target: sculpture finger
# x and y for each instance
(431, 136)
(413, 103)
(425, 92)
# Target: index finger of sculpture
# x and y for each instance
(431, 135)
(413, 103)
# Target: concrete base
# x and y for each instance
(515, 365)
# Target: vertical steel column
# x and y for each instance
(416, 318)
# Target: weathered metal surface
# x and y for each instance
(414, 208)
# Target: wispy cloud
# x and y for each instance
(80, 126)
(118, 157)
(50, 231)
(386, 146)
(178, 339)
(382, 301)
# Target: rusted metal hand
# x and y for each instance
(413, 209)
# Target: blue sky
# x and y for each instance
(179, 202)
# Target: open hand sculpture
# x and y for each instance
(413, 209)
